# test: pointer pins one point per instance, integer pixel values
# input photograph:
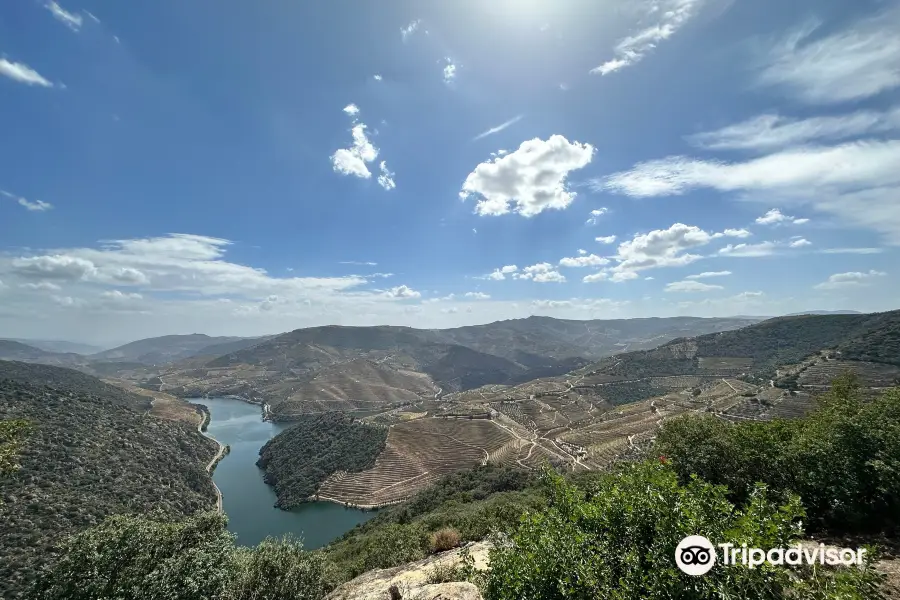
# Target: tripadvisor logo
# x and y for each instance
(696, 555)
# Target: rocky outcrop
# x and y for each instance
(413, 581)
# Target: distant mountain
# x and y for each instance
(357, 368)
(59, 346)
(825, 312)
(11, 350)
(167, 348)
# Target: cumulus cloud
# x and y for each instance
(377, 77)
(351, 109)
(668, 16)
(774, 132)
(529, 180)
(800, 242)
(22, 73)
(585, 260)
(541, 273)
(850, 64)
(776, 217)
(708, 274)
(71, 20)
(848, 280)
(352, 161)
(402, 292)
(120, 296)
(501, 273)
(44, 286)
(605, 239)
(477, 296)
(736, 233)
(691, 286)
(594, 218)
(851, 250)
(498, 129)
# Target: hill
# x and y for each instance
(285, 371)
(92, 451)
(60, 346)
(167, 348)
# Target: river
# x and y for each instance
(247, 500)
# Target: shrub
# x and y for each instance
(843, 459)
(276, 569)
(443, 539)
(618, 542)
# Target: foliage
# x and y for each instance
(136, 558)
(299, 459)
(445, 538)
(843, 459)
(141, 559)
(474, 503)
(91, 453)
(633, 391)
(12, 432)
(277, 569)
(618, 542)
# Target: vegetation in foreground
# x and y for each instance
(609, 535)
(299, 459)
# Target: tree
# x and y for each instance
(136, 558)
(12, 433)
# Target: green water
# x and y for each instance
(248, 502)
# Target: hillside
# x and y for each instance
(163, 349)
(60, 346)
(92, 451)
(13, 350)
(287, 371)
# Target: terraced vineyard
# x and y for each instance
(417, 453)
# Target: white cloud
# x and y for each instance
(22, 73)
(533, 178)
(595, 216)
(776, 217)
(856, 182)
(736, 233)
(691, 286)
(595, 277)
(403, 292)
(541, 273)
(799, 243)
(851, 250)
(121, 296)
(773, 132)
(851, 64)
(708, 274)
(377, 77)
(662, 248)
(37, 205)
(449, 70)
(501, 273)
(847, 280)
(386, 179)
(749, 250)
(587, 260)
(358, 263)
(54, 266)
(351, 109)
(498, 129)
(477, 295)
(406, 32)
(91, 16)
(668, 17)
(71, 20)
(352, 161)
(849, 164)
(41, 285)
(605, 239)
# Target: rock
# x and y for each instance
(411, 581)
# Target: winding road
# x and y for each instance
(212, 463)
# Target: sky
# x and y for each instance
(238, 168)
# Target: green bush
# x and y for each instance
(278, 569)
(618, 542)
(843, 459)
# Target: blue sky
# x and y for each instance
(243, 168)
